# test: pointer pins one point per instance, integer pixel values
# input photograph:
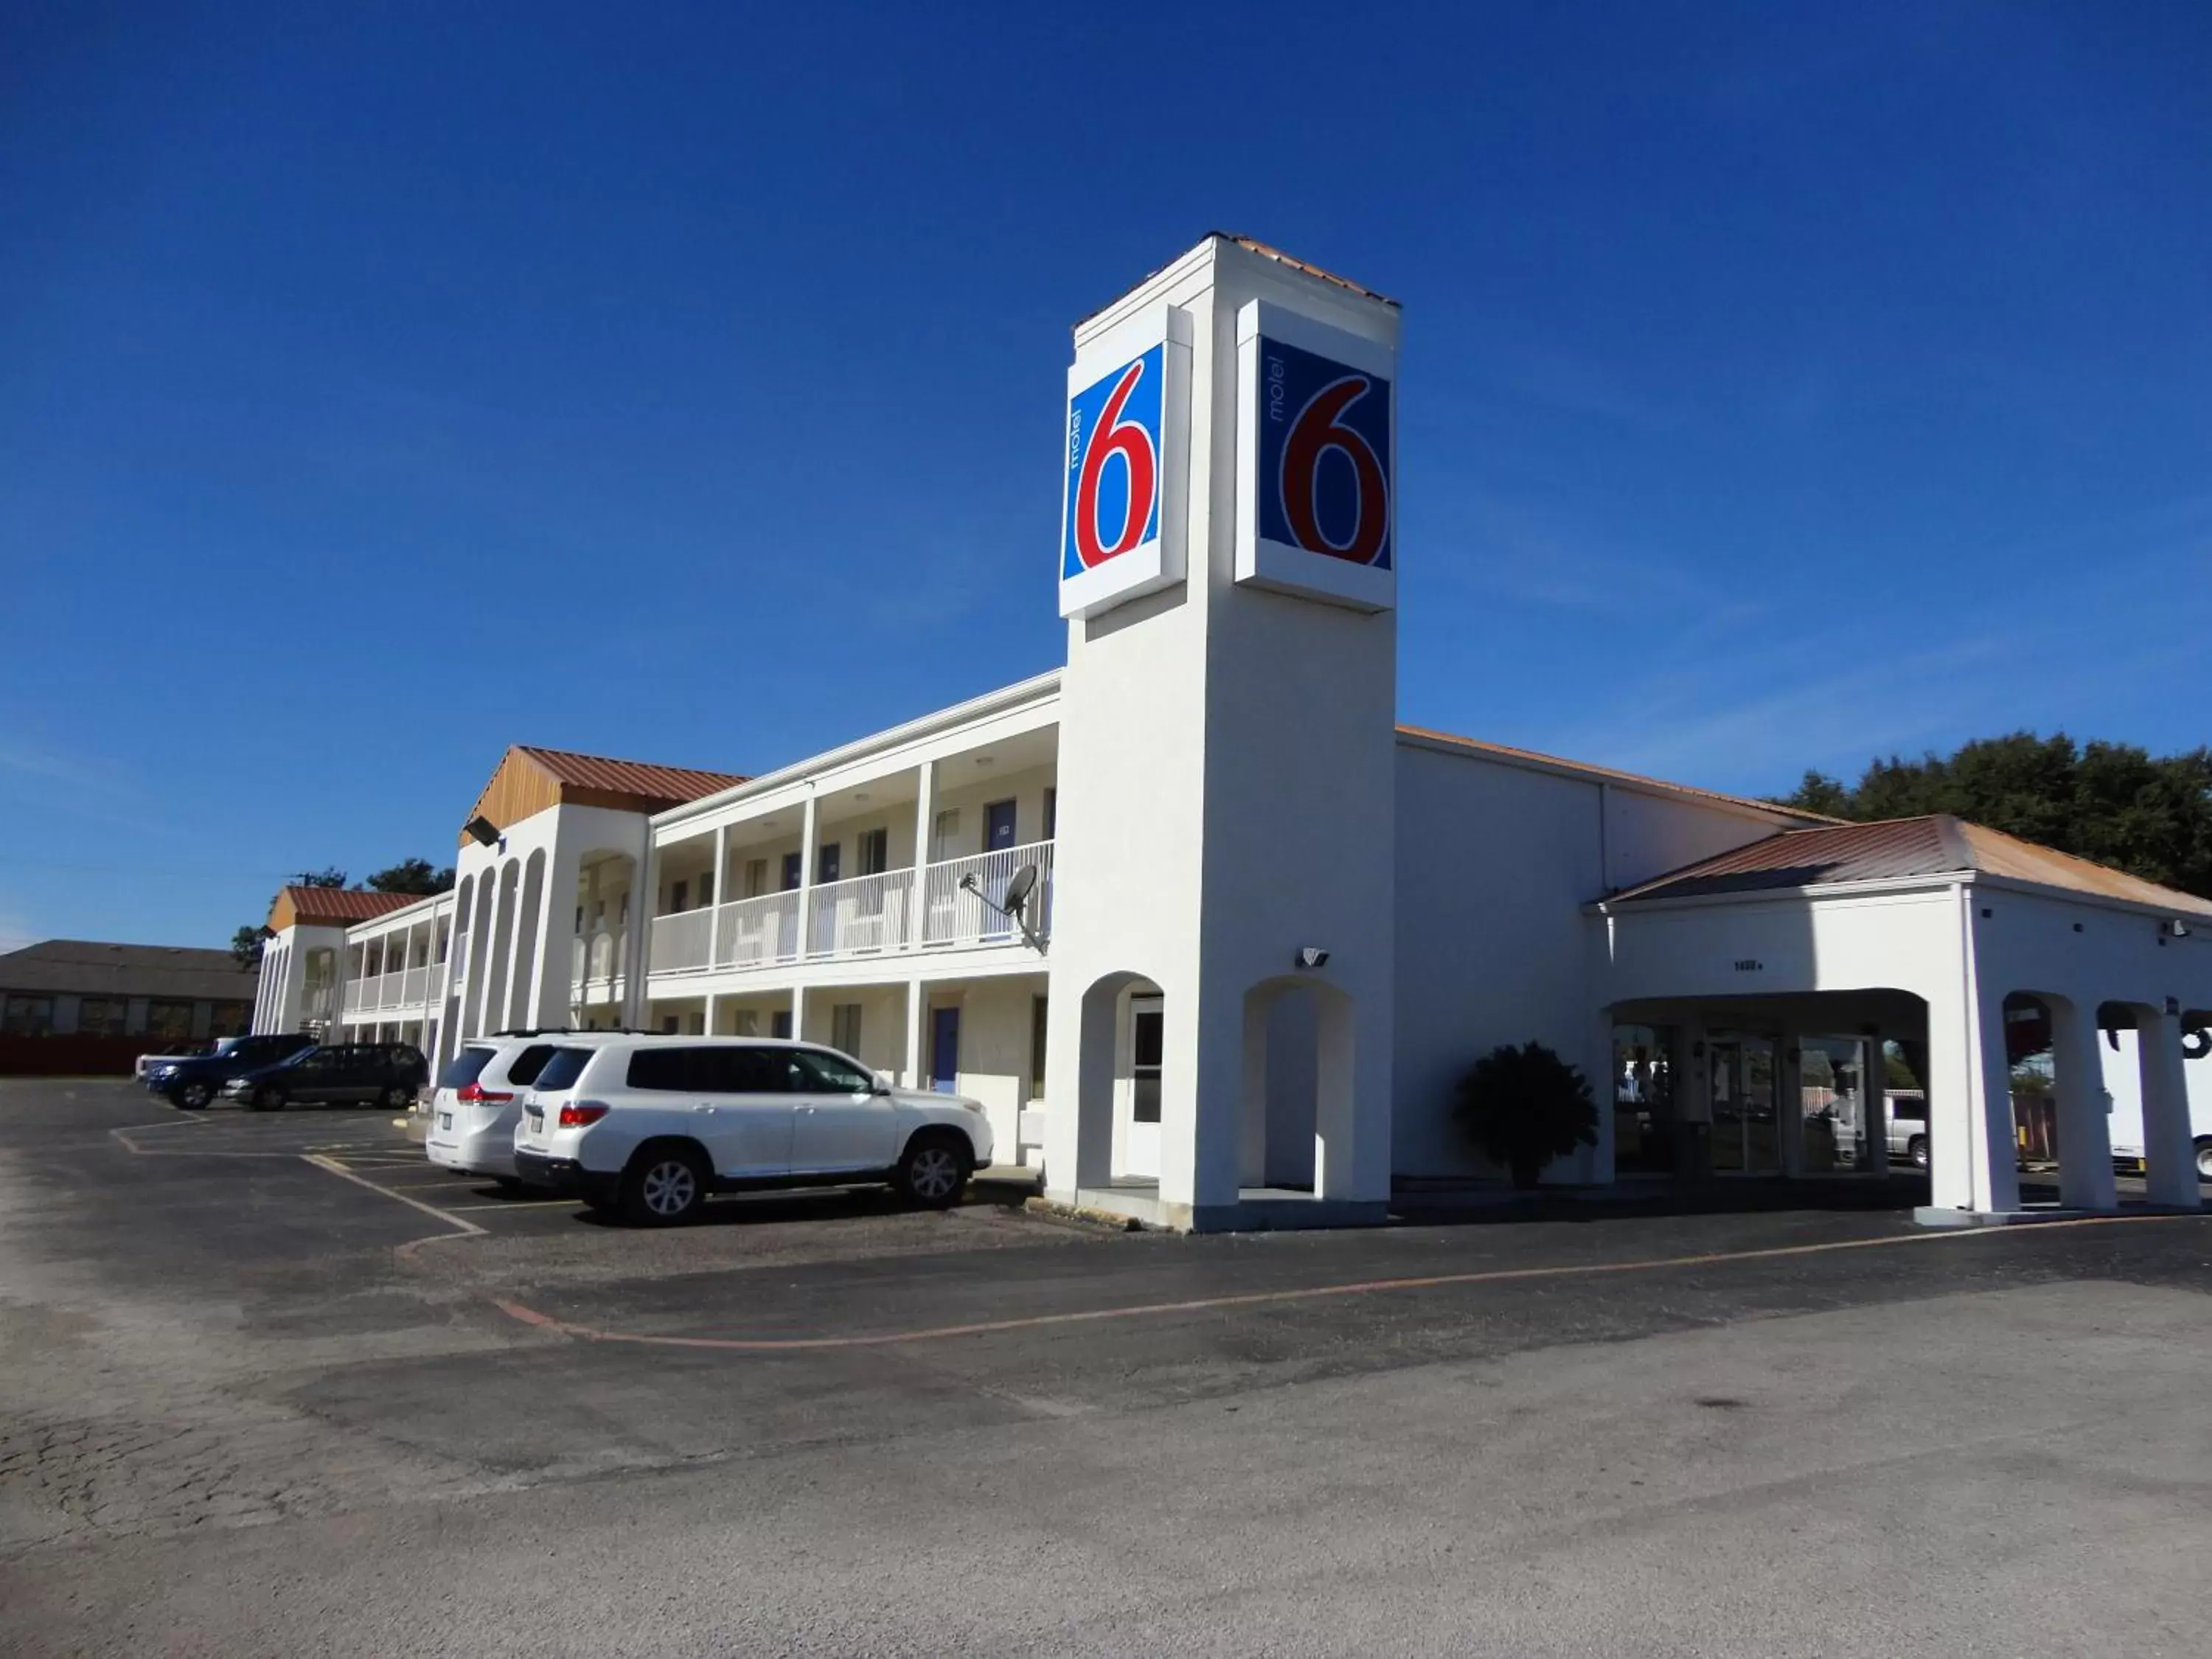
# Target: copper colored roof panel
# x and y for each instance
(330, 905)
(669, 784)
(1902, 848)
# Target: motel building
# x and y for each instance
(1213, 935)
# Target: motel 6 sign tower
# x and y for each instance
(1228, 569)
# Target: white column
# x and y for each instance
(924, 820)
(798, 1013)
(2169, 1154)
(917, 1011)
(2085, 1127)
(712, 1009)
(1971, 1141)
(720, 897)
(1605, 1083)
(805, 892)
(645, 888)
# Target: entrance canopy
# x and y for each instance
(1932, 923)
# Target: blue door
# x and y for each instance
(998, 826)
(945, 1050)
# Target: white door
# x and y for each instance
(1141, 1147)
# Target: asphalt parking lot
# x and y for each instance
(271, 1385)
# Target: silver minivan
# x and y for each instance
(479, 1098)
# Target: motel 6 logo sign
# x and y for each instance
(1122, 502)
(1324, 456)
(1316, 508)
(1115, 436)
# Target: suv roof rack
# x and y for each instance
(570, 1031)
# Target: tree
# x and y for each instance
(245, 946)
(329, 876)
(2114, 803)
(1524, 1107)
(412, 876)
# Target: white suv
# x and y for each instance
(650, 1126)
(478, 1100)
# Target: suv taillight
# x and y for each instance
(578, 1113)
(475, 1094)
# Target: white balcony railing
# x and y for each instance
(759, 930)
(868, 915)
(415, 987)
(862, 916)
(953, 910)
(678, 941)
(600, 958)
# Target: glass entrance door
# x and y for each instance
(1746, 1135)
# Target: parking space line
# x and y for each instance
(464, 1226)
(524, 1204)
(526, 1315)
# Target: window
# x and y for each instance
(745, 1022)
(943, 835)
(791, 871)
(1051, 813)
(230, 1020)
(827, 1074)
(21, 1016)
(705, 889)
(101, 1016)
(679, 894)
(168, 1020)
(523, 1071)
(466, 1067)
(668, 1025)
(755, 878)
(715, 1071)
(562, 1069)
(1037, 1048)
(873, 850)
(825, 864)
(1146, 1049)
(744, 1072)
(779, 1024)
(845, 1027)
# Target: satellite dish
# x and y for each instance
(1019, 886)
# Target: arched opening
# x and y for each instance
(1121, 1081)
(522, 1009)
(1298, 1109)
(497, 964)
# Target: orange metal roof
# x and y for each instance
(1611, 775)
(669, 784)
(1935, 845)
(338, 905)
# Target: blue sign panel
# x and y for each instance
(1112, 502)
(1324, 456)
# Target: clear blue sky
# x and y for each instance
(380, 386)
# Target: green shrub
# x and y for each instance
(1523, 1107)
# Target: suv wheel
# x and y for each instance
(193, 1096)
(266, 1097)
(1917, 1150)
(662, 1186)
(934, 1171)
(388, 1099)
(2204, 1158)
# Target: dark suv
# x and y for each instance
(388, 1074)
(192, 1082)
